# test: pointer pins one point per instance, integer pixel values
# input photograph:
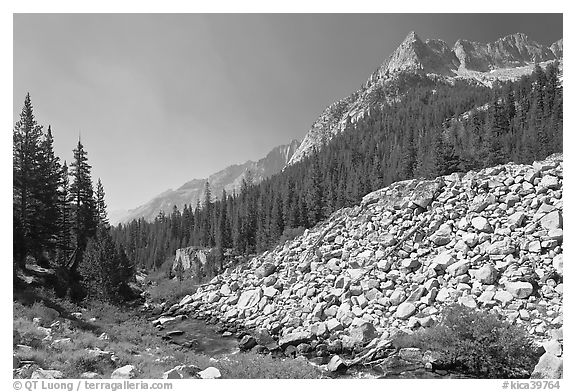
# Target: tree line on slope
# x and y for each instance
(59, 221)
(434, 129)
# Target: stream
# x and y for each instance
(201, 337)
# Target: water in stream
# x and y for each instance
(202, 338)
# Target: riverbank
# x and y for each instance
(55, 338)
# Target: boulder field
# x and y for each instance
(488, 240)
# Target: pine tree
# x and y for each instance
(315, 194)
(64, 216)
(105, 269)
(224, 238)
(496, 127)
(27, 185)
(206, 231)
(48, 192)
(101, 214)
(83, 204)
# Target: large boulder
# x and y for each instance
(405, 310)
(443, 235)
(397, 297)
(549, 366)
(124, 372)
(181, 371)
(487, 274)
(263, 338)
(552, 220)
(458, 268)
(504, 247)
(519, 289)
(516, 219)
(549, 182)
(295, 338)
(444, 259)
(210, 373)
(363, 334)
(249, 298)
(480, 202)
(247, 342)
(265, 270)
(481, 224)
(336, 364)
(558, 264)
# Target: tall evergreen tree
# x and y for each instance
(83, 204)
(315, 194)
(27, 184)
(224, 238)
(206, 231)
(496, 127)
(48, 192)
(64, 241)
(101, 214)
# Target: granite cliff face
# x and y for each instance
(229, 179)
(511, 51)
(508, 58)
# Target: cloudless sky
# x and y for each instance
(160, 99)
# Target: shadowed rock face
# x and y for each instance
(466, 60)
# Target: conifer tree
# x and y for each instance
(105, 269)
(64, 216)
(101, 214)
(206, 230)
(83, 204)
(315, 196)
(48, 192)
(224, 240)
(27, 184)
(496, 128)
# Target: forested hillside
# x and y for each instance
(60, 220)
(433, 128)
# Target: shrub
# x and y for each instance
(172, 290)
(47, 315)
(477, 343)
(28, 333)
(255, 366)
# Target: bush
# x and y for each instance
(172, 290)
(477, 343)
(255, 366)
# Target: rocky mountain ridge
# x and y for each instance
(488, 240)
(229, 179)
(508, 58)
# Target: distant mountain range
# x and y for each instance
(229, 179)
(508, 58)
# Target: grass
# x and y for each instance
(132, 339)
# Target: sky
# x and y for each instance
(160, 99)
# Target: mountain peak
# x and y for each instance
(467, 60)
(411, 37)
(413, 54)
